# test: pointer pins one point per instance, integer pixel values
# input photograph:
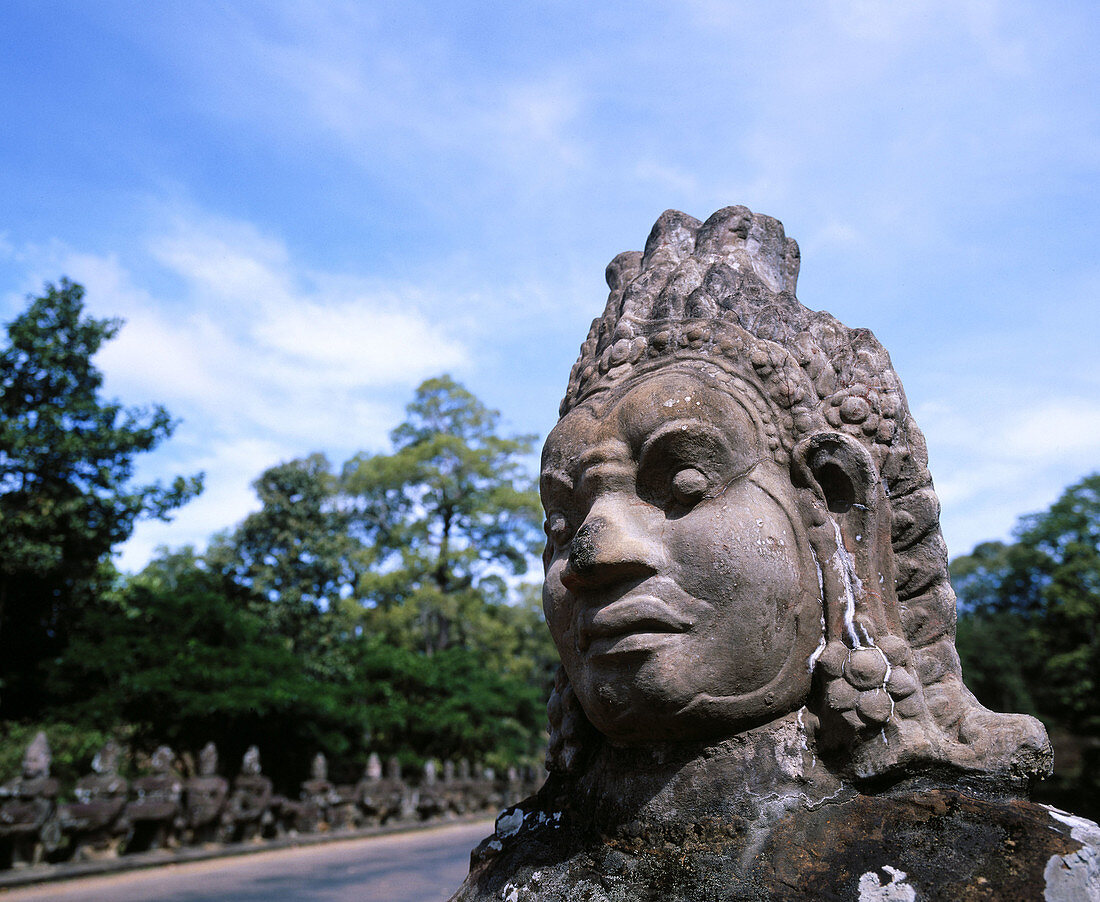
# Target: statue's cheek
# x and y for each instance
(557, 605)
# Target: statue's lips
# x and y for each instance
(628, 617)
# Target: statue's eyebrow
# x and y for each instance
(604, 452)
(555, 481)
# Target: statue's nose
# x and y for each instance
(613, 544)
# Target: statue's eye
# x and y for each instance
(558, 529)
(689, 486)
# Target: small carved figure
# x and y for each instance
(205, 798)
(310, 813)
(383, 799)
(336, 805)
(343, 808)
(248, 812)
(373, 795)
(746, 582)
(453, 790)
(431, 800)
(155, 814)
(28, 826)
(95, 822)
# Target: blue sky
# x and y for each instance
(303, 209)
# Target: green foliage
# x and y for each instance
(454, 704)
(294, 555)
(1031, 613)
(447, 513)
(72, 745)
(998, 652)
(1029, 633)
(66, 462)
(182, 662)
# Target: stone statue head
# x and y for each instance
(393, 768)
(208, 760)
(250, 765)
(163, 761)
(105, 762)
(319, 767)
(37, 758)
(741, 525)
(374, 767)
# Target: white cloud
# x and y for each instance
(381, 98)
(994, 460)
(1069, 428)
(357, 344)
(261, 359)
(271, 334)
(670, 178)
(230, 466)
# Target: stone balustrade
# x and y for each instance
(105, 816)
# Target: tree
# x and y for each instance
(449, 514)
(174, 656)
(1031, 612)
(66, 498)
(295, 554)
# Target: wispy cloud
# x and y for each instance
(262, 359)
(994, 461)
(328, 179)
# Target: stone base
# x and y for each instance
(940, 844)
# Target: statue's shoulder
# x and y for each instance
(939, 844)
(931, 845)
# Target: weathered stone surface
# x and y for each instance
(745, 578)
(95, 822)
(933, 844)
(248, 811)
(205, 797)
(154, 813)
(27, 805)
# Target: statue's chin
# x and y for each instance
(632, 717)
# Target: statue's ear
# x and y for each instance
(839, 470)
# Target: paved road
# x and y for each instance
(425, 866)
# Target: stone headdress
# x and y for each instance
(719, 296)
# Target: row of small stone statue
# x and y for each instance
(111, 816)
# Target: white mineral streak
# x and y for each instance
(510, 893)
(509, 822)
(788, 749)
(804, 735)
(820, 581)
(1075, 876)
(872, 889)
(885, 680)
(812, 662)
(846, 570)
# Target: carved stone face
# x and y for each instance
(680, 587)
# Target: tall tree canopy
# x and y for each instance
(1030, 630)
(66, 498)
(294, 555)
(449, 514)
(372, 610)
(393, 585)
